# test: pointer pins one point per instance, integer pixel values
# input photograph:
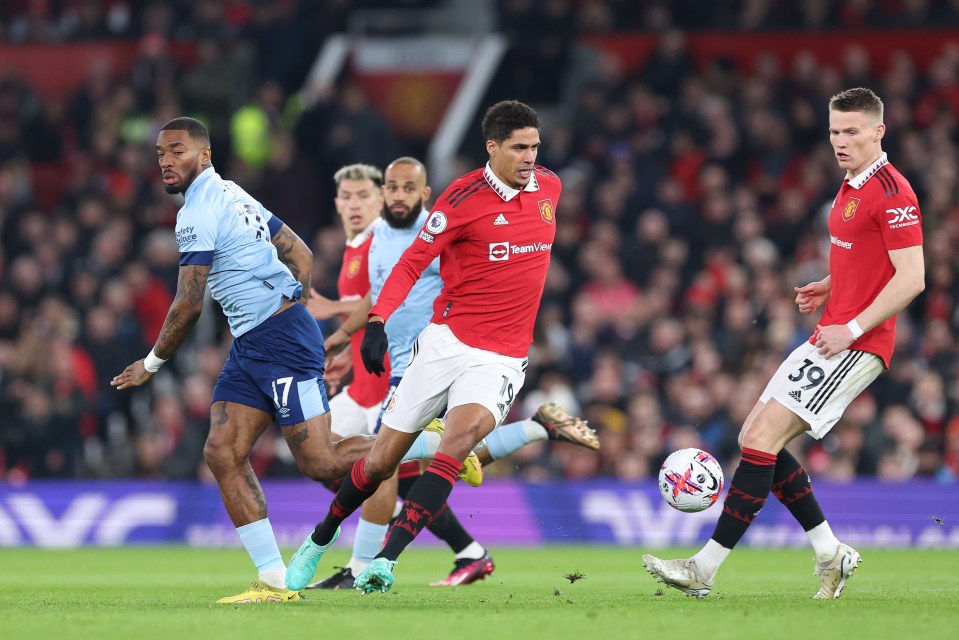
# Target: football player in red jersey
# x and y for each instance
(493, 230)
(875, 269)
(359, 202)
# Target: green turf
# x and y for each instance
(167, 593)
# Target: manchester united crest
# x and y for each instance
(353, 267)
(546, 210)
(850, 211)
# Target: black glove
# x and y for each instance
(373, 349)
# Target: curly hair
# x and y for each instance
(503, 118)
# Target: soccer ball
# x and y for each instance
(690, 480)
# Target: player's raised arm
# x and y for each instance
(428, 244)
(297, 257)
(180, 320)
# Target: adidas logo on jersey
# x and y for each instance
(500, 220)
(795, 395)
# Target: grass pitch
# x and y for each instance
(168, 593)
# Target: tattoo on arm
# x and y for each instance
(297, 257)
(185, 310)
(257, 491)
(218, 415)
(296, 440)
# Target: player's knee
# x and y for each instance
(219, 456)
(760, 435)
(460, 440)
(377, 469)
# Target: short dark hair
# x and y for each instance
(505, 117)
(858, 99)
(196, 129)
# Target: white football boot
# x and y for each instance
(834, 573)
(684, 575)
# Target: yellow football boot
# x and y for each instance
(472, 471)
(260, 591)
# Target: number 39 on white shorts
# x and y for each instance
(819, 390)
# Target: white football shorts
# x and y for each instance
(445, 373)
(348, 418)
(819, 390)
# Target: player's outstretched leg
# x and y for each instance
(550, 422)
(376, 577)
(563, 427)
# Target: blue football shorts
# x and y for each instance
(277, 367)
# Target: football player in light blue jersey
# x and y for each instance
(259, 271)
(405, 191)
(406, 323)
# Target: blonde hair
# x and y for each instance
(359, 172)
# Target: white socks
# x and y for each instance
(474, 551)
(823, 541)
(710, 557)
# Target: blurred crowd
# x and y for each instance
(694, 201)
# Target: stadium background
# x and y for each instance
(691, 138)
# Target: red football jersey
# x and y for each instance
(366, 389)
(494, 245)
(875, 212)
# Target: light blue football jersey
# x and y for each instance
(221, 225)
(414, 314)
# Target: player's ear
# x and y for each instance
(426, 193)
(491, 148)
(880, 131)
(206, 156)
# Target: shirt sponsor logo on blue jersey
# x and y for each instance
(185, 235)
